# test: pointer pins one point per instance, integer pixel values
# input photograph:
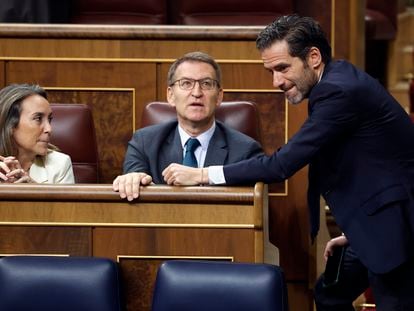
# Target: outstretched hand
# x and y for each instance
(128, 184)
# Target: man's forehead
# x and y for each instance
(275, 54)
(193, 63)
(197, 69)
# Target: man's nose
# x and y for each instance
(278, 79)
(197, 91)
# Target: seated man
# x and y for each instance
(194, 89)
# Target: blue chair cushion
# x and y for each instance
(220, 286)
(39, 283)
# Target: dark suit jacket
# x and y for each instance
(153, 148)
(360, 144)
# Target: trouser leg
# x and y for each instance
(353, 282)
(394, 290)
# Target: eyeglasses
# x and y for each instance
(188, 84)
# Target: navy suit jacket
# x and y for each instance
(360, 144)
(153, 148)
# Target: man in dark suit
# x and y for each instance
(194, 89)
(359, 143)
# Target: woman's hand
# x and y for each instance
(18, 176)
(12, 172)
(7, 164)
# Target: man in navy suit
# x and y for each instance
(359, 144)
(194, 89)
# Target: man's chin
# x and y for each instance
(293, 96)
(295, 100)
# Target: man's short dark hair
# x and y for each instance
(301, 33)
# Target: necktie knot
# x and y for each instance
(192, 144)
(189, 157)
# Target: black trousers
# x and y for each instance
(392, 291)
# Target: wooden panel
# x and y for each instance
(289, 228)
(103, 74)
(2, 73)
(289, 221)
(144, 270)
(215, 223)
(349, 31)
(45, 240)
(300, 296)
(244, 75)
(175, 242)
(150, 213)
(226, 49)
(139, 76)
(98, 48)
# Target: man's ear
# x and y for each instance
(170, 96)
(220, 97)
(314, 58)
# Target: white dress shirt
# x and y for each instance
(204, 139)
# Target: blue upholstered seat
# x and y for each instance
(220, 286)
(41, 283)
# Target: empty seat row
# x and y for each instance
(42, 283)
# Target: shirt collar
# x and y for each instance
(203, 138)
(320, 76)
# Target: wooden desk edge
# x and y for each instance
(157, 32)
(154, 193)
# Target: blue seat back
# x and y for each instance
(220, 286)
(45, 283)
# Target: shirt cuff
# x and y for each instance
(216, 175)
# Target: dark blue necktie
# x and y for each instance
(189, 157)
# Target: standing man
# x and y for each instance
(359, 143)
(194, 89)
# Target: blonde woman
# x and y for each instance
(26, 154)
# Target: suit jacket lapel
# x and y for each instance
(217, 151)
(171, 151)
